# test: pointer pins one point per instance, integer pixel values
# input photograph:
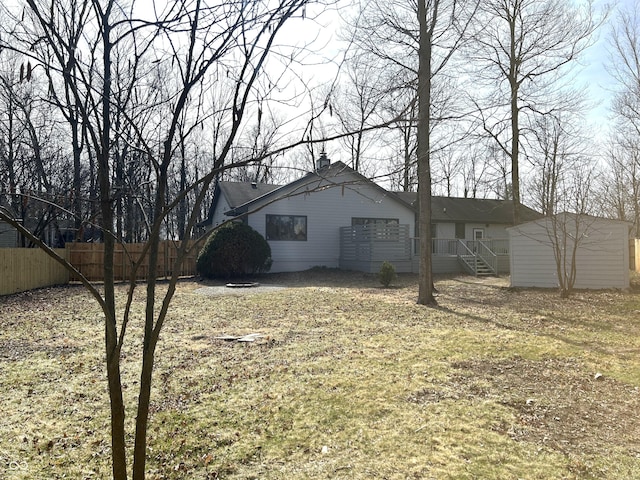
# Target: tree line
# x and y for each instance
(508, 116)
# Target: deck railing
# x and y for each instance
(487, 255)
(460, 246)
(375, 243)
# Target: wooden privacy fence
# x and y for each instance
(24, 269)
(88, 259)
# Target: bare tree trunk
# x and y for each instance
(77, 177)
(425, 282)
(514, 63)
(150, 338)
(112, 346)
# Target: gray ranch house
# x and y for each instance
(337, 218)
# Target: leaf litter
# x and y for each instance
(344, 368)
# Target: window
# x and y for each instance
(478, 233)
(460, 230)
(286, 227)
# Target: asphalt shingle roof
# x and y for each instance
(469, 210)
(443, 209)
(239, 193)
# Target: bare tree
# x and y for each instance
(107, 74)
(570, 231)
(474, 171)
(558, 149)
(621, 188)
(415, 56)
(523, 56)
(619, 184)
(400, 104)
(442, 28)
(624, 65)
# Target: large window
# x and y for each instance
(286, 227)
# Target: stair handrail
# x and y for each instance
(483, 252)
(465, 247)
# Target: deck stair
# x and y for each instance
(477, 259)
(475, 265)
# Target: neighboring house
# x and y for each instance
(601, 256)
(8, 236)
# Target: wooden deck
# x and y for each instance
(365, 248)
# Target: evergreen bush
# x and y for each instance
(387, 274)
(234, 250)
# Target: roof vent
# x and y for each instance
(323, 161)
(254, 185)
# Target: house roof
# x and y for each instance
(327, 173)
(237, 193)
(470, 210)
(241, 195)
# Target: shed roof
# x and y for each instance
(580, 219)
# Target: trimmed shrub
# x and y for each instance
(232, 251)
(387, 274)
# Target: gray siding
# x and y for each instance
(448, 230)
(219, 216)
(602, 259)
(327, 206)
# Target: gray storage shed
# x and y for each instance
(601, 251)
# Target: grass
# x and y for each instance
(350, 381)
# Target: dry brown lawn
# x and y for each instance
(348, 380)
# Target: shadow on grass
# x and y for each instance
(320, 277)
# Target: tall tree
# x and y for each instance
(624, 65)
(119, 46)
(413, 43)
(442, 28)
(523, 56)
